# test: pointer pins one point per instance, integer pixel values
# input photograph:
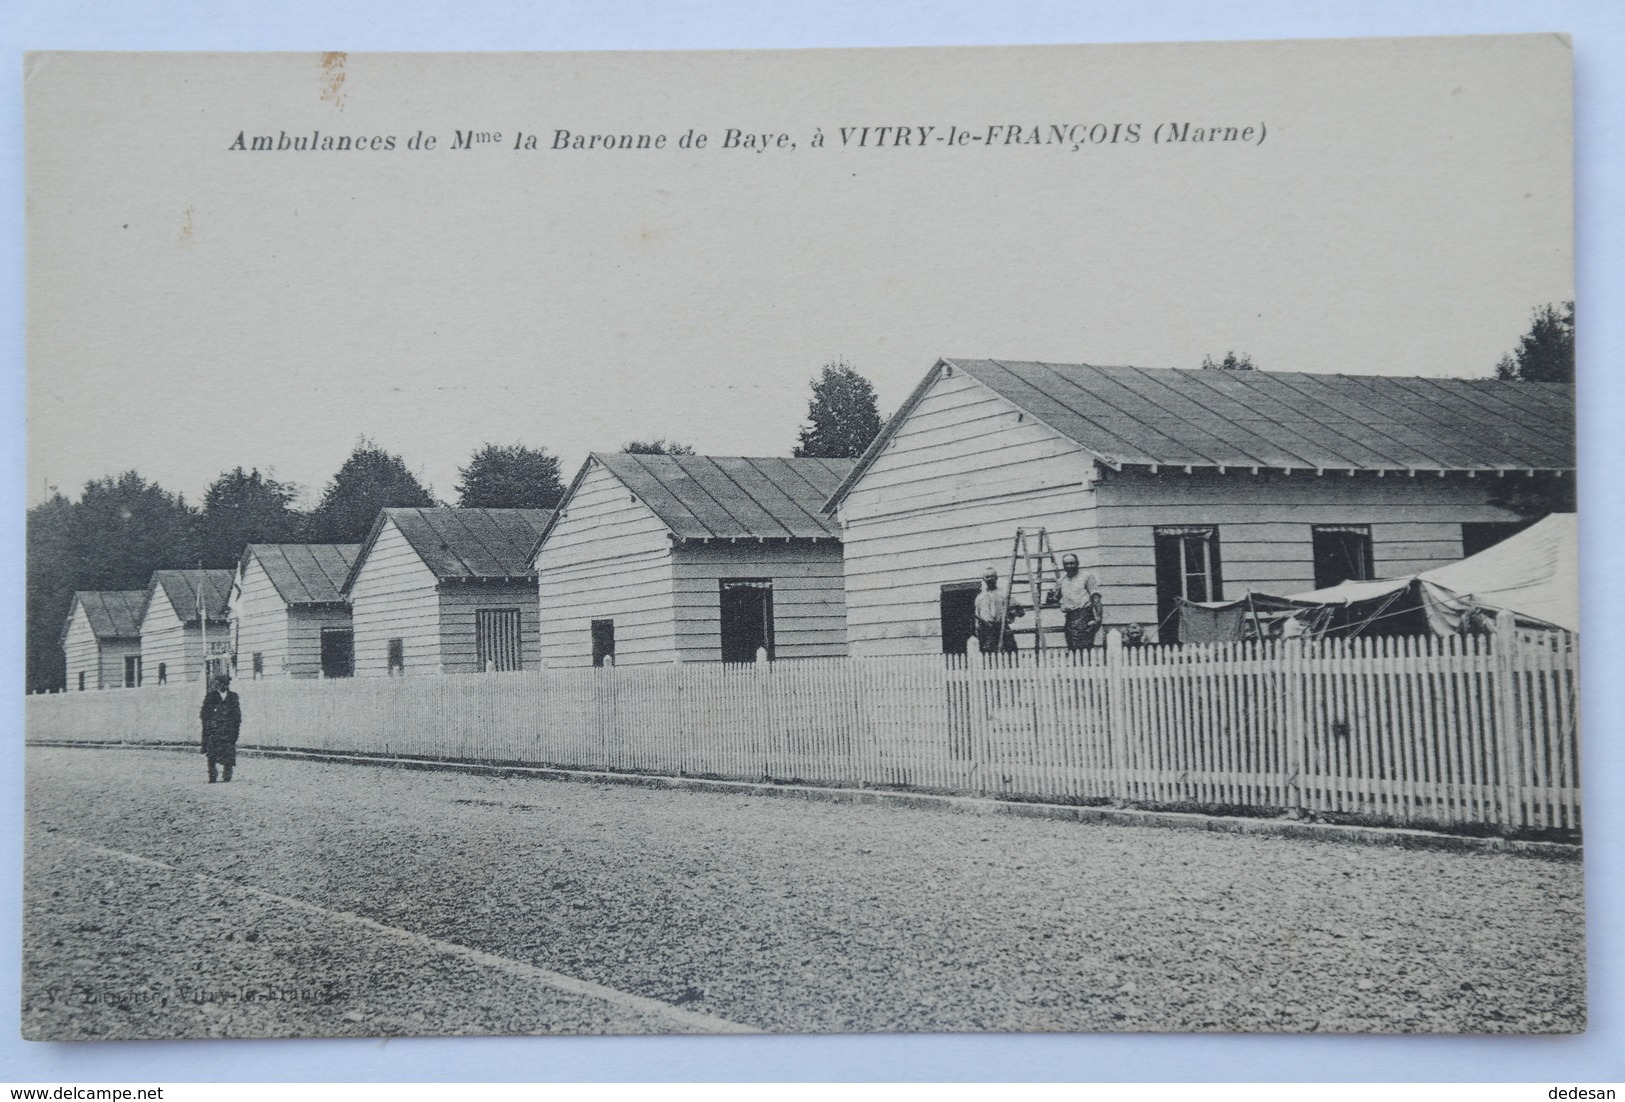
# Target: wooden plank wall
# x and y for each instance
(809, 607)
(1264, 524)
(395, 597)
(165, 640)
(305, 626)
(608, 558)
(82, 651)
(960, 476)
(113, 653)
(102, 661)
(259, 622)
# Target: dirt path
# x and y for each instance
(308, 898)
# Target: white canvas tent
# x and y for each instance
(1534, 574)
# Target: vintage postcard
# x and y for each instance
(902, 540)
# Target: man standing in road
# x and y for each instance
(1078, 594)
(222, 717)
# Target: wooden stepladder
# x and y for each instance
(1033, 566)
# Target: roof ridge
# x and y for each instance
(717, 455)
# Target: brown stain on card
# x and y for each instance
(186, 228)
(333, 78)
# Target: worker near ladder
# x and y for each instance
(993, 612)
(1078, 594)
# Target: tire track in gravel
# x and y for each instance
(681, 1019)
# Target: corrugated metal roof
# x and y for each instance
(306, 573)
(181, 588)
(113, 613)
(468, 543)
(1136, 416)
(733, 497)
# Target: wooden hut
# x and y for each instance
(175, 619)
(1171, 483)
(101, 639)
(445, 591)
(288, 618)
(652, 558)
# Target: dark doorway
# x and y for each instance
(1342, 554)
(1187, 566)
(338, 652)
(603, 642)
(496, 640)
(132, 671)
(958, 606)
(747, 618)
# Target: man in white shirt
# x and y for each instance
(1078, 594)
(993, 612)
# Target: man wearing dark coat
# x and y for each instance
(222, 717)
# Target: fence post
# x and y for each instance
(607, 692)
(975, 709)
(1507, 757)
(1116, 717)
(679, 724)
(764, 724)
(1297, 731)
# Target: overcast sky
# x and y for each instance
(193, 308)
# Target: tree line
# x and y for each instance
(123, 527)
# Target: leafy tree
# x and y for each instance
(661, 446)
(510, 477)
(241, 508)
(124, 528)
(50, 576)
(120, 530)
(1545, 354)
(1231, 362)
(842, 417)
(370, 480)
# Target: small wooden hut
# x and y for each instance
(699, 558)
(185, 612)
(445, 591)
(101, 639)
(288, 618)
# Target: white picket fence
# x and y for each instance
(1409, 730)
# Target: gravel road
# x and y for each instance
(315, 899)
